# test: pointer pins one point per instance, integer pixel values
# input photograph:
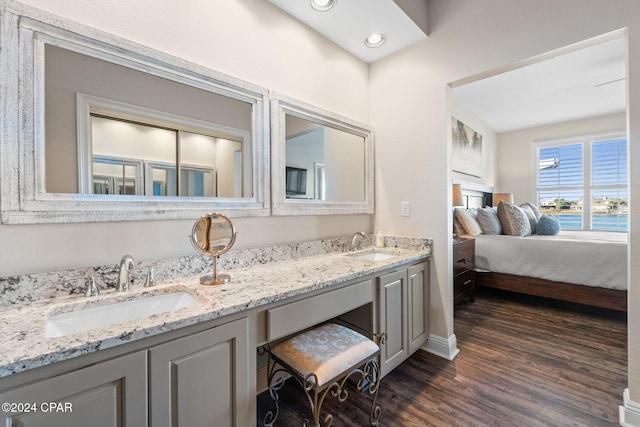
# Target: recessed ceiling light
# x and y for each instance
(375, 40)
(323, 5)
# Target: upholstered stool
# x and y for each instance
(322, 359)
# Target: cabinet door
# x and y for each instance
(202, 380)
(418, 283)
(392, 311)
(109, 394)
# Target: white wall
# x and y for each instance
(344, 166)
(514, 150)
(409, 112)
(249, 39)
(226, 167)
(122, 139)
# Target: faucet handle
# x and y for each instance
(91, 288)
(150, 276)
(130, 280)
(149, 281)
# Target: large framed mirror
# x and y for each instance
(322, 163)
(98, 128)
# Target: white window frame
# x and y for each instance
(587, 189)
(122, 161)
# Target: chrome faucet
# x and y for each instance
(90, 287)
(354, 240)
(124, 275)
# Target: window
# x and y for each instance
(584, 181)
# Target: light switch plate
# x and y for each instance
(405, 208)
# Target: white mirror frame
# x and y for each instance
(281, 105)
(24, 33)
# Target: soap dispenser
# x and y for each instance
(379, 238)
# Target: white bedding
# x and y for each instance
(593, 258)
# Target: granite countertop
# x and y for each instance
(26, 347)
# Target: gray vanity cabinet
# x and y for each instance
(418, 306)
(402, 314)
(202, 379)
(107, 394)
(392, 312)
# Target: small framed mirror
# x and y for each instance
(322, 163)
(213, 234)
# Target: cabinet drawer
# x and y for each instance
(296, 316)
(464, 281)
(462, 245)
(463, 259)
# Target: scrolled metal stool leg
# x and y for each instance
(314, 398)
(369, 382)
(271, 416)
(371, 375)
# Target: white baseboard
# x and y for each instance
(443, 347)
(630, 412)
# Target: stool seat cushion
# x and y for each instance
(326, 351)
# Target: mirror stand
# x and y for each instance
(215, 278)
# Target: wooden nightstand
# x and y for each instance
(464, 275)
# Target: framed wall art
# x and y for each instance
(466, 149)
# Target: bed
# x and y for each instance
(585, 267)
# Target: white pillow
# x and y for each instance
(513, 220)
(468, 222)
(526, 208)
(535, 210)
(489, 221)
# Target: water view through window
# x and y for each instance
(585, 195)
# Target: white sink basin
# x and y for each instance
(373, 256)
(62, 324)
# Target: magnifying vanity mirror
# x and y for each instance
(322, 163)
(113, 131)
(213, 234)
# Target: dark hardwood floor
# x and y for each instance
(521, 363)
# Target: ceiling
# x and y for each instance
(584, 83)
(350, 22)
